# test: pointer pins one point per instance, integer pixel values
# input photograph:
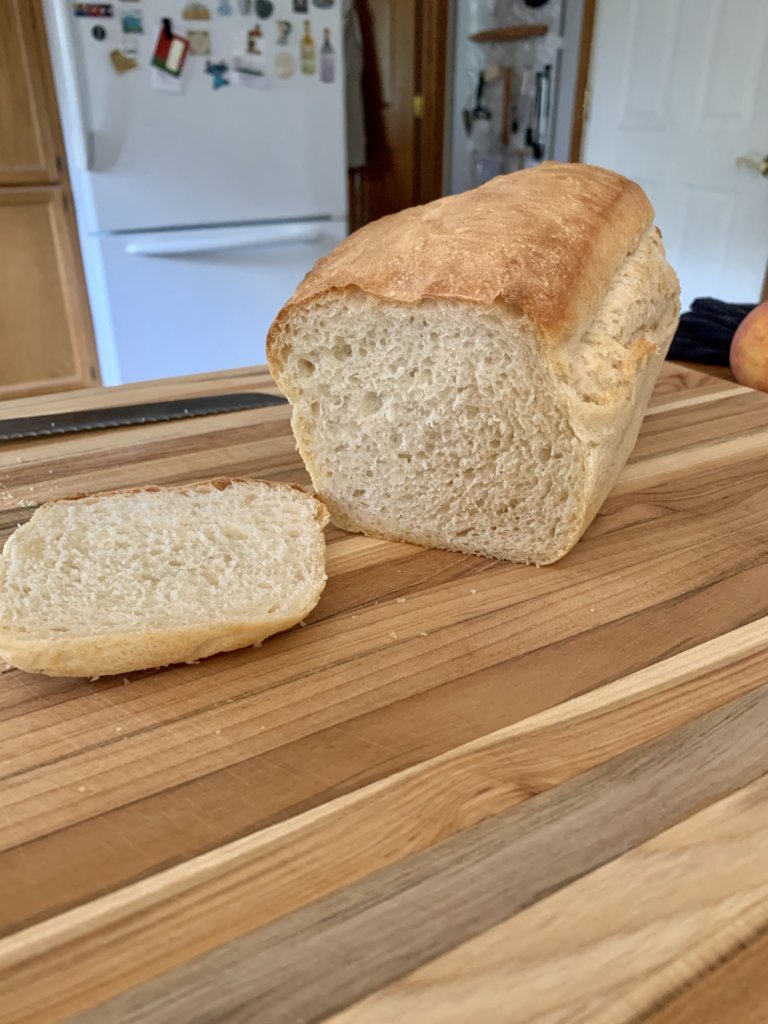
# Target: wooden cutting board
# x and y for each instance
(466, 790)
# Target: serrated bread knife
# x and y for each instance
(131, 415)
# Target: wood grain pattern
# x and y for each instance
(414, 912)
(617, 941)
(445, 741)
(739, 981)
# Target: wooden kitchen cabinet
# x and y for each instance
(42, 322)
(46, 335)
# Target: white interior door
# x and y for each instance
(679, 91)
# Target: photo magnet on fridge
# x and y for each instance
(300, 6)
(195, 12)
(94, 10)
(132, 22)
(170, 50)
(199, 43)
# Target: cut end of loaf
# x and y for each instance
(448, 424)
(151, 576)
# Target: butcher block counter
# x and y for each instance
(463, 791)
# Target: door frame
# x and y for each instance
(581, 97)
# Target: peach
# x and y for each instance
(749, 349)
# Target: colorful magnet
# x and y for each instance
(264, 8)
(308, 53)
(253, 41)
(283, 32)
(132, 22)
(218, 73)
(224, 8)
(170, 50)
(244, 6)
(99, 32)
(327, 58)
(199, 43)
(121, 63)
(195, 12)
(300, 6)
(94, 10)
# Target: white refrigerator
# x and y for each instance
(203, 197)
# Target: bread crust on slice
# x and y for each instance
(100, 649)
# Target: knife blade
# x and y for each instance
(132, 415)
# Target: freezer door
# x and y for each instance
(144, 158)
(192, 301)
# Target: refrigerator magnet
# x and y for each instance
(327, 58)
(224, 8)
(170, 50)
(264, 8)
(250, 70)
(253, 41)
(285, 64)
(300, 6)
(121, 63)
(132, 22)
(99, 32)
(283, 32)
(199, 43)
(94, 10)
(218, 73)
(195, 12)
(244, 6)
(130, 46)
(324, 5)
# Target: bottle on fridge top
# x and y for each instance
(308, 57)
(327, 60)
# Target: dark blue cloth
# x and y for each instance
(705, 332)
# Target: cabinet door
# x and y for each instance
(28, 136)
(45, 336)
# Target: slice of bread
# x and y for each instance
(472, 374)
(151, 576)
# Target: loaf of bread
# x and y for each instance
(147, 577)
(472, 374)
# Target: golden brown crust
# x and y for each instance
(545, 242)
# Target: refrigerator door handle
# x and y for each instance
(79, 137)
(213, 240)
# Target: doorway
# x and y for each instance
(404, 45)
(677, 103)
